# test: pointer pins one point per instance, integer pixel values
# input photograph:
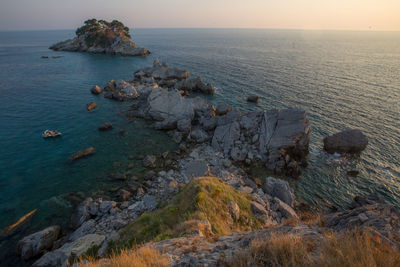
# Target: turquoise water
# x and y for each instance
(342, 79)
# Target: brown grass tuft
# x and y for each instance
(278, 250)
(140, 257)
(351, 248)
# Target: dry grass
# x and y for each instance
(352, 248)
(359, 249)
(312, 219)
(279, 250)
(141, 257)
(204, 198)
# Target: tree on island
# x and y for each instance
(103, 33)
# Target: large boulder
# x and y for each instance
(285, 210)
(81, 213)
(149, 161)
(280, 189)
(168, 107)
(225, 136)
(37, 243)
(350, 141)
(69, 251)
(222, 109)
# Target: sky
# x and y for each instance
(383, 15)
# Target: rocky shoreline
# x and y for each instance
(214, 141)
(102, 37)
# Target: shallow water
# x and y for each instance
(342, 79)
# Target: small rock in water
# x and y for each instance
(96, 90)
(222, 109)
(118, 176)
(44, 57)
(124, 194)
(90, 106)
(122, 132)
(165, 154)
(149, 161)
(83, 153)
(106, 126)
(131, 165)
(252, 98)
(353, 173)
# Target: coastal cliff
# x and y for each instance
(102, 37)
(200, 206)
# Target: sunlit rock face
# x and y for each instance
(102, 37)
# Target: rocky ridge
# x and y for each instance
(276, 139)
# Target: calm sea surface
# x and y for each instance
(342, 79)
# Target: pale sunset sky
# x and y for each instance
(281, 14)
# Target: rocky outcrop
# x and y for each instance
(37, 243)
(370, 212)
(350, 141)
(102, 37)
(277, 139)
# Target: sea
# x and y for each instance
(343, 79)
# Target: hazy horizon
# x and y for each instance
(357, 15)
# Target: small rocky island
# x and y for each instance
(102, 37)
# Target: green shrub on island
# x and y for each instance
(103, 33)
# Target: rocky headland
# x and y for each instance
(102, 37)
(199, 205)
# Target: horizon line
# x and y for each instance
(217, 28)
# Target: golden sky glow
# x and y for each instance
(293, 14)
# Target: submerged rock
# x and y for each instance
(353, 173)
(102, 37)
(252, 98)
(37, 243)
(83, 153)
(106, 126)
(350, 141)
